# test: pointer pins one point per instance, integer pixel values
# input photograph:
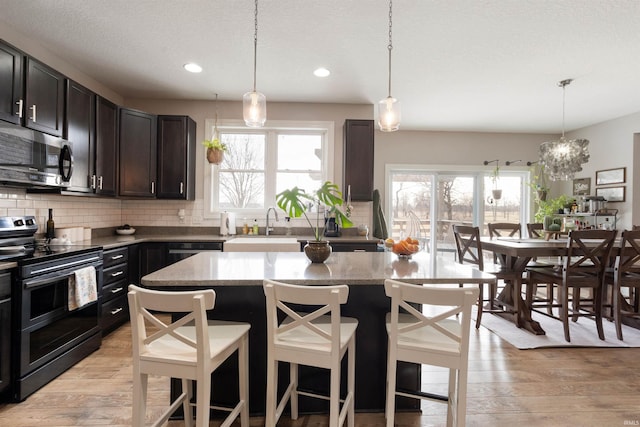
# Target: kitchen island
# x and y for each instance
(237, 279)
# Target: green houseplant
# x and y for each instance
(495, 177)
(215, 150)
(551, 207)
(296, 202)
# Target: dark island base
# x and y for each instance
(367, 303)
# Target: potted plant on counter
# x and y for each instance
(296, 202)
(215, 150)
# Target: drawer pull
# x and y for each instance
(359, 250)
(117, 273)
(115, 257)
(116, 311)
(116, 290)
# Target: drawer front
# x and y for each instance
(114, 313)
(115, 274)
(114, 290)
(115, 256)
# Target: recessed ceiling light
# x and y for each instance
(321, 72)
(192, 67)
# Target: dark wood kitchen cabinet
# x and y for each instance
(5, 332)
(358, 159)
(79, 128)
(137, 154)
(44, 98)
(176, 158)
(153, 257)
(115, 309)
(105, 177)
(11, 78)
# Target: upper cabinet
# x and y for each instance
(105, 177)
(79, 128)
(11, 99)
(176, 157)
(39, 102)
(358, 159)
(137, 153)
(44, 98)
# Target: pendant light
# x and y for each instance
(564, 157)
(389, 108)
(254, 104)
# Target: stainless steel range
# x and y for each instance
(47, 337)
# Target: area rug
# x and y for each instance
(583, 333)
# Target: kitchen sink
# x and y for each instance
(262, 244)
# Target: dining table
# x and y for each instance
(237, 279)
(514, 254)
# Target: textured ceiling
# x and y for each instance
(490, 65)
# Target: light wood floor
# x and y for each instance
(507, 386)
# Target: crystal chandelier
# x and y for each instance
(564, 157)
(389, 108)
(254, 104)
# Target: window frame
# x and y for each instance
(211, 210)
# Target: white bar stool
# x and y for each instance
(190, 348)
(439, 337)
(319, 339)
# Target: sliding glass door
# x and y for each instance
(424, 202)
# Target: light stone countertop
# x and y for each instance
(208, 269)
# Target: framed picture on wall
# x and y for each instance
(611, 176)
(582, 186)
(612, 194)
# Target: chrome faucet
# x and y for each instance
(270, 229)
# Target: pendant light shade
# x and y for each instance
(389, 108)
(254, 109)
(564, 157)
(254, 103)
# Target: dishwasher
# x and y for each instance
(182, 250)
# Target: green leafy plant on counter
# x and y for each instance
(296, 202)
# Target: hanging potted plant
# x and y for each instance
(539, 182)
(215, 150)
(296, 202)
(495, 176)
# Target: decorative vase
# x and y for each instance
(317, 251)
(215, 156)
(497, 194)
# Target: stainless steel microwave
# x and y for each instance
(33, 159)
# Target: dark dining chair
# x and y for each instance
(584, 265)
(504, 229)
(626, 275)
(469, 251)
(535, 230)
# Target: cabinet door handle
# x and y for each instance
(33, 116)
(153, 187)
(93, 182)
(116, 311)
(117, 273)
(359, 250)
(100, 182)
(181, 187)
(116, 290)
(19, 104)
(115, 257)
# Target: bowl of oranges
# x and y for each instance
(403, 248)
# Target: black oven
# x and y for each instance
(49, 338)
(33, 159)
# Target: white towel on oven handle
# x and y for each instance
(83, 288)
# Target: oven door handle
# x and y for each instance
(66, 265)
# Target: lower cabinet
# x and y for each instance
(5, 331)
(115, 310)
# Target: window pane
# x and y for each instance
(244, 151)
(411, 201)
(455, 206)
(299, 152)
(309, 182)
(241, 190)
(505, 206)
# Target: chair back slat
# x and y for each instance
(629, 259)
(535, 230)
(588, 252)
(504, 229)
(468, 245)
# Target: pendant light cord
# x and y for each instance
(390, 45)
(255, 44)
(563, 84)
